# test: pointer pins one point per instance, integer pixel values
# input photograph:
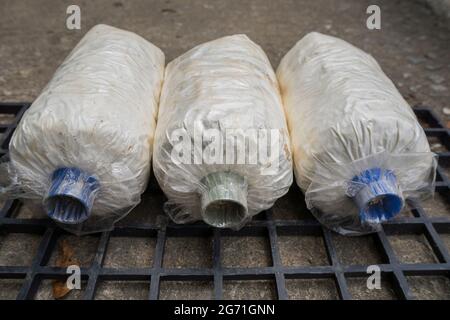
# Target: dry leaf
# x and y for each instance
(60, 289)
(65, 255)
(63, 260)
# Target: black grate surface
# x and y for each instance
(289, 220)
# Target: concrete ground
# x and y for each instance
(412, 47)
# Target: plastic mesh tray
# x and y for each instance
(289, 218)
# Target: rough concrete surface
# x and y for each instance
(358, 289)
(186, 290)
(412, 47)
(310, 251)
(250, 289)
(357, 251)
(188, 252)
(18, 249)
(430, 288)
(122, 290)
(441, 7)
(412, 248)
(128, 252)
(312, 289)
(255, 252)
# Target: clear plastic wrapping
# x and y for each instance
(358, 148)
(84, 146)
(224, 94)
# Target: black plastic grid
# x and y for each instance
(264, 225)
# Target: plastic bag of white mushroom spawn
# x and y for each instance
(84, 146)
(222, 149)
(358, 148)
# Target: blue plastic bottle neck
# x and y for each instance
(71, 195)
(379, 197)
